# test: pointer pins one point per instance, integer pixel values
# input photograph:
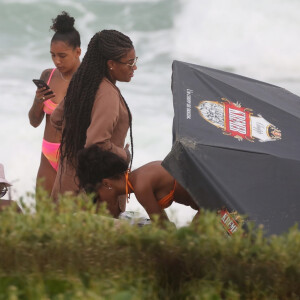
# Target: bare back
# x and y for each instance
(155, 180)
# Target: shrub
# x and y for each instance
(70, 252)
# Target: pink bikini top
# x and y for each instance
(49, 105)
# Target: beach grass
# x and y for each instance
(70, 252)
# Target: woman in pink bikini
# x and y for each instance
(106, 174)
(65, 51)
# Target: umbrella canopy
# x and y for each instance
(236, 143)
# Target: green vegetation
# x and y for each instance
(72, 253)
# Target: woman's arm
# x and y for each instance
(36, 113)
(148, 200)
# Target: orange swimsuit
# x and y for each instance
(167, 200)
(164, 202)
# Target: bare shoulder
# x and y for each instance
(45, 74)
(153, 165)
(152, 169)
(151, 175)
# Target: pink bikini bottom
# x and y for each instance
(51, 152)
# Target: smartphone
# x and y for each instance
(40, 84)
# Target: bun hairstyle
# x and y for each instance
(95, 164)
(63, 26)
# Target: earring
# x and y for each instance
(110, 188)
(111, 68)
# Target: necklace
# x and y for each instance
(63, 78)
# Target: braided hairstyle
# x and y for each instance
(63, 26)
(95, 164)
(104, 45)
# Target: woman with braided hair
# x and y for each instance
(94, 111)
(65, 52)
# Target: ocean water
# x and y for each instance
(251, 38)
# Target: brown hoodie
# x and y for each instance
(108, 129)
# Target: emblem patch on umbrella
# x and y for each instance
(237, 121)
(230, 221)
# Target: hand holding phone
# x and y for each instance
(40, 84)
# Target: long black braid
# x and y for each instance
(104, 45)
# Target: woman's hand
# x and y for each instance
(40, 94)
(36, 113)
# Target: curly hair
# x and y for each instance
(63, 26)
(104, 45)
(95, 164)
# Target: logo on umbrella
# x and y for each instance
(237, 121)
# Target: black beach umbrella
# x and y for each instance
(236, 143)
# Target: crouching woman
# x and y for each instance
(106, 174)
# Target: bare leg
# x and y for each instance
(46, 175)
